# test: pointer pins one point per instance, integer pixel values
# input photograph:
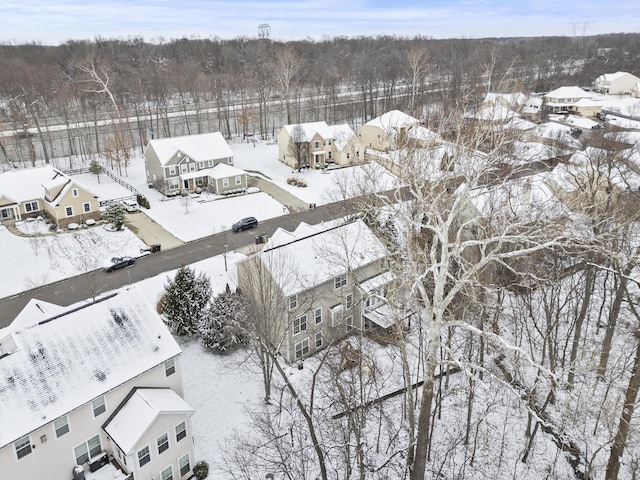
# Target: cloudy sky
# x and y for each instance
(55, 21)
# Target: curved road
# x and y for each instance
(94, 283)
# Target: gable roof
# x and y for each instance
(222, 170)
(341, 135)
(71, 358)
(392, 120)
(206, 146)
(568, 92)
(310, 129)
(25, 185)
(137, 413)
(314, 254)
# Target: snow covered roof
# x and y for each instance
(568, 92)
(422, 133)
(24, 185)
(35, 312)
(392, 120)
(341, 135)
(222, 170)
(513, 99)
(206, 146)
(609, 77)
(74, 357)
(139, 411)
(312, 255)
(376, 282)
(310, 129)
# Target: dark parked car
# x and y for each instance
(245, 223)
(119, 262)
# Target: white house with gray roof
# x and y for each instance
(92, 389)
(181, 164)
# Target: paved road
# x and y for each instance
(88, 285)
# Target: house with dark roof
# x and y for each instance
(46, 191)
(181, 165)
(92, 392)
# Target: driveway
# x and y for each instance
(149, 231)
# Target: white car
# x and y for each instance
(131, 205)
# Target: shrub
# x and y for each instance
(201, 470)
(143, 201)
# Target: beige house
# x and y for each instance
(330, 282)
(48, 192)
(635, 90)
(571, 100)
(181, 165)
(224, 179)
(619, 83)
(316, 145)
(94, 391)
(387, 132)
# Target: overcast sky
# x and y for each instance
(54, 22)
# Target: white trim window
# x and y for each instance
(192, 167)
(293, 302)
(225, 182)
(169, 367)
(300, 324)
(167, 473)
(302, 348)
(200, 165)
(238, 180)
(23, 446)
(317, 315)
(183, 168)
(337, 314)
(172, 170)
(61, 426)
(340, 280)
(210, 163)
(349, 323)
(348, 303)
(144, 456)
(185, 466)
(75, 193)
(318, 339)
(163, 443)
(181, 431)
(174, 184)
(31, 206)
(98, 405)
(86, 207)
(68, 211)
(230, 160)
(87, 450)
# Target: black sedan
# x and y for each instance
(118, 263)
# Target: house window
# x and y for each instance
(87, 450)
(74, 192)
(169, 367)
(225, 182)
(174, 184)
(98, 406)
(340, 280)
(210, 163)
(300, 324)
(230, 161)
(144, 456)
(199, 181)
(348, 156)
(316, 144)
(348, 304)
(349, 323)
(181, 431)
(238, 180)
(86, 207)
(317, 315)
(31, 206)
(192, 167)
(69, 211)
(183, 168)
(183, 462)
(200, 165)
(163, 443)
(336, 315)
(172, 170)
(329, 141)
(22, 446)
(318, 339)
(302, 348)
(329, 154)
(61, 426)
(293, 302)
(167, 473)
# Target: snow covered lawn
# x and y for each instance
(33, 261)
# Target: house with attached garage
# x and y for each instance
(93, 392)
(181, 165)
(571, 100)
(318, 284)
(388, 131)
(46, 191)
(619, 83)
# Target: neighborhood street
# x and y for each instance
(97, 282)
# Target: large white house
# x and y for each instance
(92, 392)
(619, 83)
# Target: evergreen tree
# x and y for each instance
(96, 168)
(185, 302)
(225, 326)
(115, 215)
